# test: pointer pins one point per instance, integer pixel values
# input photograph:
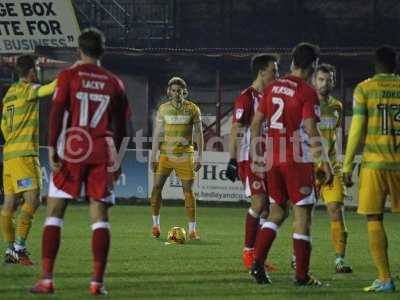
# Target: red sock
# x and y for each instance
(100, 247)
(251, 227)
(265, 238)
(50, 245)
(302, 251)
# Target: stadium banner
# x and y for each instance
(210, 184)
(131, 184)
(27, 24)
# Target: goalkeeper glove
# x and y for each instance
(231, 170)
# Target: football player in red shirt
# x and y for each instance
(264, 70)
(89, 116)
(291, 107)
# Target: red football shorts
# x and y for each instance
(253, 184)
(294, 182)
(94, 178)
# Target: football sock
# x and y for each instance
(155, 202)
(24, 223)
(265, 238)
(7, 227)
(100, 247)
(339, 237)
(190, 206)
(156, 220)
(50, 244)
(192, 226)
(378, 245)
(251, 227)
(302, 251)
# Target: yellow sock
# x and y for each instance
(378, 246)
(339, 237)
(7, 227)
(155, 202)
(190, 206)
(24, 223)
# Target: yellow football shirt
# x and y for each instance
(331, 118)
(177, 126)
(20, 119)
(376, 114)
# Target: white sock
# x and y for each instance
(192, 226)
(262, 221)
(156, 220)
(18, 247)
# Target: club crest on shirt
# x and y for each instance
(239, 113)
(256, 185)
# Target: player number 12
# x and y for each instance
(84, 108)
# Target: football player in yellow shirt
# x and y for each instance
(21, 173)
(376, 125)
(333, 194)
(177, 121)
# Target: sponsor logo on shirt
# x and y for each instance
(177, 120)
(24, 183)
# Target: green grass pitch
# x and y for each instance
(141, 267)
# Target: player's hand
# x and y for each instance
(326, 167)
(348, 179)
(197, 166)
(154, 165)
(231, 170)
(54, 160)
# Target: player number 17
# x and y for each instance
(84, 108)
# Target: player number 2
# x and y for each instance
(84, 108)
(277, 114)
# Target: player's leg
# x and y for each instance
(23, 225)
(7, 226)
(51, 239)
(190, 207)
(184, 169)
(265, 238)
(100, 244)
(163, 171)
(333, 196)
(155, 202)
(374, 187)
(267, 234)
(255, 190)
(299, 179)
(64, 185)
(302, 244)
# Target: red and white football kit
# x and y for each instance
(245, 107)
(287, 102)
(88, 102)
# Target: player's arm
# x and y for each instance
(318, 151)
(231, 169)
(258, 164)
(59, 101)
(356, 133)
(157, 138)
(311, 115)
(41, 91)
(199, 138)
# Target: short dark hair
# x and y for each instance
(386, 58)
(327, 68)
(92, 41)
(304, 54)
(260, 62)
(24, 64)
